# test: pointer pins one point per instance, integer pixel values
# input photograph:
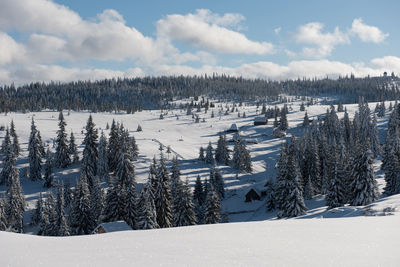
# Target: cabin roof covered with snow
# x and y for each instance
(233, 128)
(112, 227)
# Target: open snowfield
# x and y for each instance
(339, 237)
(355, 241)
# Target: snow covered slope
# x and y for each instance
(356, 241)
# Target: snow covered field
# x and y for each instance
(355, 241)
(338, 237)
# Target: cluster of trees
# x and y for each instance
(333, 157)
(241, 159)
(164, 201)
(136, 94)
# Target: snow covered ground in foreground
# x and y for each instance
(355, 241)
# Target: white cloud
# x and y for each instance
(10, 50)
(367, 33)
(277, 30)
(324, 43)
(205, 30)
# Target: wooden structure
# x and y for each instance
(260, 121)
(111, 227)
(253, 194)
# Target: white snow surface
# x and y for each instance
(355, 241)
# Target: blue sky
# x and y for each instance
(69, 40)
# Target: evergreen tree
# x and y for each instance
(3, 220)
(35, 160)
(283, 123)
(48, 170)
(49, 217)
(82, 220)
(37, 212)
(131, 214)
(292, 204)
(209, 154)
(113, 146)
(68, 194)
(8, 160)
(114, 209)
(336, 194)
(102, 163)
(147, 217)
(364, 186)
(270, 195)
(212, 208)
(61, 226)
(62, 156)
(134, 149)
(306, 121)
(163, 196)
(97, 200)
(241, 156)
(175, 180)
(90, 153)
(222, 153)
(16, 201)
(73, 150)
(201, 154)
(15, 143)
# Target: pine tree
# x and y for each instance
(82, 221)
(8, 160)
(218, 182)
(113, 146)
(48, 170)
(16, 202)
(90, 153)
(48, 217)
(175, 180)
(73, 150)
(241, 156)
(163, 196)
(62, 156)
(114, 209)
(270, 202)
(283, 123)
(36, 214)
(3, 220)
(15, 144)
(201, 154)
(292, 203)
(364, 187)
(134, 149)
(147, 217)
(61, 226)
(209, 154)
(102, 163)
(68, 194)
(131, 214)
(306, 121)
(336, 194)
(97, 200)
(212, 208)
(222, 153)
(35, 160)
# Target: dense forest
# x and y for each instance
(135, 94)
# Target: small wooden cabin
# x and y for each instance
(111, 227)
(253, 194)
(233, 129)
(260, 121)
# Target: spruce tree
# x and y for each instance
(270, 202)
(147, 218)
(364, 187)
(49, 217)
(283, 122)
(16, 199)
(292, 204)
(82, 220)
(97, 200)
(131, 214)
(73, 150)
(201, 154)
(3, 220)
(8, 160)
(48, 170)
(336, 194)
(102, 163)
(222, 153)
(36, 214)
(15, 143)
(209, 159)
(114, 146)
(35, 155)
(163, 196)
(90, 153)
(61, 226)
(241, 156)
(62, 156)
(212, 207)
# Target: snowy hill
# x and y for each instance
(355, 241)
